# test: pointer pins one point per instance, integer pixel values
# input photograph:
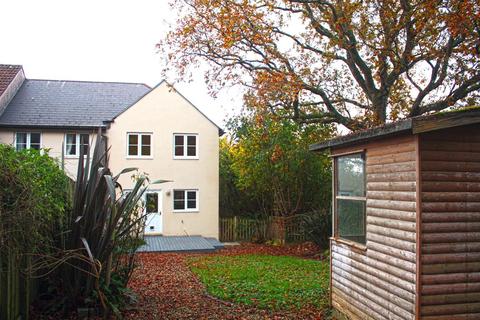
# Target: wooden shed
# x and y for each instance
(406, 219)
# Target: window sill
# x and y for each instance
(185, 158)
(186, 211)
(138, 158)
(355, 245)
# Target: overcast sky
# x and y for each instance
(102, 40)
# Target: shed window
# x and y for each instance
(350, 198)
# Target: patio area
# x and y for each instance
(180, 244)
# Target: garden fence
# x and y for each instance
(281, 229)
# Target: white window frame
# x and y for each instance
(28, 133)
(139, 146)
(338, 196)
(185, 209)
(77, 144)
(185, 146)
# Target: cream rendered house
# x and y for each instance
(154, 129)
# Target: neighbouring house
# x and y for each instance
(406, 219)
(154, 129)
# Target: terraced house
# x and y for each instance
(154, 129)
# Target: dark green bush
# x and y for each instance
(318, 226)
(34, 195)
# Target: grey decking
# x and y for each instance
(179, 244)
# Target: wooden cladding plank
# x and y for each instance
(450, 257)
(450, 186)
(377, 303)
(392, 233)
(391, 158)
(391, 205)
(431, 248)
(391, 242)
(451, 309)
(447, 226)
(451, 196)
(388, 249)
(450, 156)
(395, 196)
(460, 277)
(392, 214)
(393, 176)
(451, 288)
(388, 258)
(466, 316)
(375, 264)
(450, 166)
(348, 272)
(468, 133)
(388, 300)
(451, 298)
(354, 310)
(450, 216)
(451, 237)
(342, 300)
(391, 168)
(391, 186)
(438, 145)
(389, 223)
(451, 176)
(373, 272)
(450, 207)
(391, 147)
(450, 268)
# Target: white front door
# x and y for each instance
(153, 208)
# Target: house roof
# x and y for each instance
(7, 74)
(69, 104)
(415, 125)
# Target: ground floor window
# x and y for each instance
(185, 200)
(27, 140)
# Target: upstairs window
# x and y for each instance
(185, 146)
(350, 198)
(139, 144)
(27, 140)
(185, 200)
(76, 144)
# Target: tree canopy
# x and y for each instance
(269, 168)
(353, 62)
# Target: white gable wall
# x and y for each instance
(164, 112)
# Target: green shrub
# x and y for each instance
(34, 197)
(318, 227)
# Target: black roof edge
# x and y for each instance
(63, 127)
(415, 125)
(92, 81)
(393, 128)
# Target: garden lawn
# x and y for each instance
(265, 281)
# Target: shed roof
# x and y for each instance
(413, 125)
(72, 104)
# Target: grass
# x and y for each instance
(269, 282)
